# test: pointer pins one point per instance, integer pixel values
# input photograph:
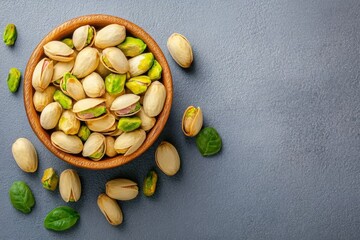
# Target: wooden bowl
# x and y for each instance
(65, 30)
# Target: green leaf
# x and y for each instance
(61, 218)
(208, 141)
(21, 197)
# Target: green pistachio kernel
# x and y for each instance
(128, 124)
(84, 133)
(147, 62)
(50, 179)
(69, 42)
(95, 111)
(90, 35)
(65, 101)
(155, 71)
(132, 47)
(139, 84)
(10, 34)
(150, 183)
(13, 80)
(67, 76)
(114, 83)
(106, 61)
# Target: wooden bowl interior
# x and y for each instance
(65, 30)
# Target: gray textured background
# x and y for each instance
(280, 82)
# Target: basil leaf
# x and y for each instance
(21, 196)
(61, 218)
(208, 141)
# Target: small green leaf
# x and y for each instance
(61, 218)
(21, 197)
(208, 141)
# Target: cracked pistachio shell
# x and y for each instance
(70, 186)
(114, 83)
(115, 133)
(10, 34)
(84, 133)
(128, 124)
(42, 99)
(121, 189)
(69, 42)
(155, 71)
(132, 47)
(147, 122)
(93, 85)
(60, 69)
(42, 74)
(114, 60)
(129, 142)
(90, 109)
(139, 84)
(13, 79)
(72, 87)
(86, 62)
(110, 208)
(25, 155)
(109, 99)
(59, 51)
(102, 124)
(66, 143)
(110, 150)
(110, 36)
(167, 158)
(154, 99)
(180, 50)
(83, 36)
(126, 105)
(95, 146)
(50, 179)
(68, 123)
(140, 64)
(192, 121)
(62, 99)
(50, 115)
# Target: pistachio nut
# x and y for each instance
(110, 208)
(167, 158)
(90, 108)
(121, 189)
(147, 122)
(110, 149)
(42, 99)
(150, 183)
(59, 51)
(25, 155)
(83, 36)
(93, 85)
(50, 115)
(109, 99)
(132, 47)
(68, 123)
(140, 64)
(10, 34)
(95, 146)
(50, 179)
(102, 124)
(86, 62)
(154, 99)
(128, 124)
(60, 69)
(13, 79)
(69, 42)
(42, 74)
(192, 121)
(129, 142)
(180, 50)
(126, 105)
(62, 99)
(72, 87)
(139, 84)
(114, 83)
(102, 70)
(114, 60)
(84, 133)
(110, 36)
(155, 71)
(66, 143)
(70, 186)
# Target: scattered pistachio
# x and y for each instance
(110, 208)
(70, 186)
(13, 80)
(10, 34)
(122, 189)
(50, 179)
(167, 158)
(150, 183)
(180, 50)
(25, 155)
(192, 121)
(132, 47)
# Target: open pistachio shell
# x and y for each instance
(147, 122)
(192, 121)
(68, 123)
(95, 146)
(42, 74)
(126, 105)
(129, 142)
(66, 143)
(50, 116)
(109, 98)
(86, 62)
(114, 60)
(42, 99)
(59, 51)
(122, 189)
(90, 109)
(72, 87)
(110, 208)
(70, 186)
(154, 99)
(102, 70)
(60, 69)
(93, 85)
(83, 36)
(101, 125)
(110, 36)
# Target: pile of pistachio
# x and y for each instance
(98, 92)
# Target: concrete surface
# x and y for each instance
(280, 82)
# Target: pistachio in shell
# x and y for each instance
(110, 150)
(102, 124)
(90, 108)
(110, 209)
(42, 74)
(42, 99)
(129, 142)
(70, 186)
(126, 105)
(83, 36)
(95, 146)
(154, 99)
(59, 51)
(72, 87)
(60, 69)
(180, 50)
(86, 62)
(147, 122)
(114, 60)
(140, 64)
(110, 36)
(68, 123)
(93, 85)
(167, 158)
(122, 189)
(25, 155)
(50, 115)
(192, 121)
(66, 143)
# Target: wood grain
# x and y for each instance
(65, 30)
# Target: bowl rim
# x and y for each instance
(64, 30)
